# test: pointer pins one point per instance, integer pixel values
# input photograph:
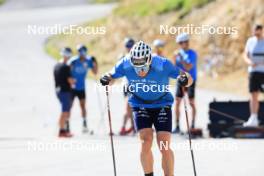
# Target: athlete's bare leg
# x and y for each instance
(83, 108)
(254, 103)
(177, 110)
(63, 119)
(127, 116)
(164, 140)
(193, 106)
(146, 137)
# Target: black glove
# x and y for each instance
(182, 80)
(105, 80)
(93, 59)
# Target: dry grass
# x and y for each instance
(236, 83)
(232, 73)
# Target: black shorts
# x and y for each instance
(78, 93)
(161, 118)
(256, 81)
(190, 91)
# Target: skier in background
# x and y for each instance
(254, 57)
(63, 84)
(128, 42)
(158, 46)
(80, 65)
(185, 59)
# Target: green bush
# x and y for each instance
(2, 1)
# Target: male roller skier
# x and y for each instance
(80, 66)
(150, 99)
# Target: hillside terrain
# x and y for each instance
(220, 55)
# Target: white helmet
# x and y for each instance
(158, 43)
(183, 37)
(140, 54)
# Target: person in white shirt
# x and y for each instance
(254, 57)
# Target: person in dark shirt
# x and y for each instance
(63, 82)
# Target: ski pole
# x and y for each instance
(189, 133)
(102, 109)
(110, 127)
(227, 115)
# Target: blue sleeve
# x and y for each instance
(172, 70)
(90, 63)
(191, 59)
(118, 71)
(70, 61)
